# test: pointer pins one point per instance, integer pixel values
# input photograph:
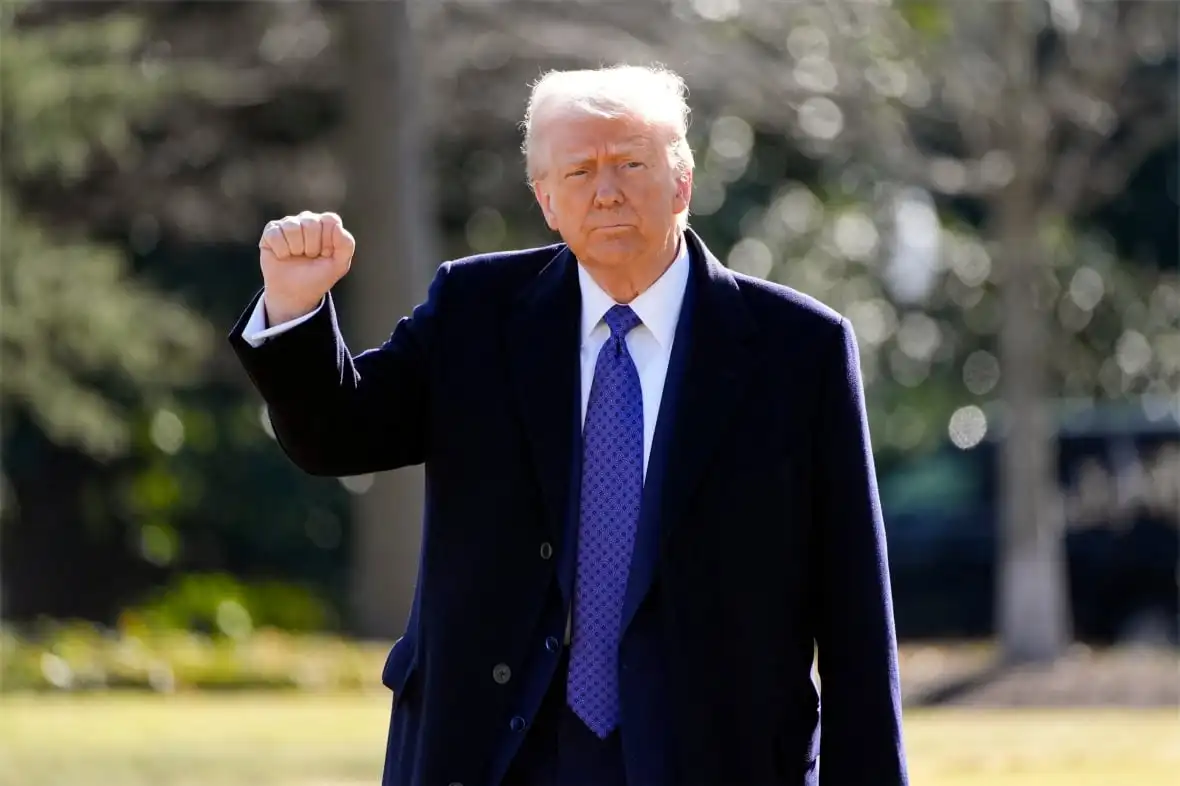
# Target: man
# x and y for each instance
(650, 490)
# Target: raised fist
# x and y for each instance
(302, 258)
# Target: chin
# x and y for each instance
(612, 252)
(607, 258)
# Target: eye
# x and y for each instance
(633, 165)
(576, 173)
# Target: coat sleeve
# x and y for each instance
(861, 739)
(335, 414)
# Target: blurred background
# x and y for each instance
(988, 191)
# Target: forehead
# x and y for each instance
(574, 136)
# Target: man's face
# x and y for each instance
(609, 188)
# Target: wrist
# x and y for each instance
(280, 310)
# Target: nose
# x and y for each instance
(606, 190)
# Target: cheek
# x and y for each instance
(566, 206)
(652, 197)
(576, 200)
(557, 202)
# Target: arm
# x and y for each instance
(861, 724)
(335, 414)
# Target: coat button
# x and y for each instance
(501, 673)
(552, 644)
(546, 550)
(516, 724)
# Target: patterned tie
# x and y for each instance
(612, 486)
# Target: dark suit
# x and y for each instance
(760, 538)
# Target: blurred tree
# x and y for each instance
(75, 324)
(86, 348)
(1053, 106)
(389, 208)
(135, 153)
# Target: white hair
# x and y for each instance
(651, 93)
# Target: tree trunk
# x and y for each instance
(390, 215)
(1032, 598)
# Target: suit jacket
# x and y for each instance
(769, 547)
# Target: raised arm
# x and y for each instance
(333, 414)
(861, 722)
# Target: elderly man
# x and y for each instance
(650, 495)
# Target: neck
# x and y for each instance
(628, 282)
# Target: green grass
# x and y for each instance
(312, 740)
(265, 739)
(1020, 747)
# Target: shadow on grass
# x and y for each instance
(955, 689)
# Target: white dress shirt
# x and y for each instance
(257, 333)
(650, 343)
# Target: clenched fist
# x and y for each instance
(302, 258)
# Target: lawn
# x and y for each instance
(302, 740)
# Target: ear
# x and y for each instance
(683, 196)
(545, 201)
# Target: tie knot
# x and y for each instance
(621, 320)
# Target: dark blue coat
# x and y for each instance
(769, 541)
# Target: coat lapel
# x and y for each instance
(647, 541)
(717, 370)
(709, 368)
(542, 344)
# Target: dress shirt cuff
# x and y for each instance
(257, 333)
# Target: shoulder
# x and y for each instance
(501, 270)
(781, 310)
(484, 286)
(798, 325)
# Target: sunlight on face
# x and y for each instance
(609, 188)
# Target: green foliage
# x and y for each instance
(928, 18)
(82, 341)
(72, 90)
(222, 605)
(82, 657)
(112, 127)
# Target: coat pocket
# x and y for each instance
(400, 665)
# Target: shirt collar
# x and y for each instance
(658, 306)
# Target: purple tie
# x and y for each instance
(612, 487)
